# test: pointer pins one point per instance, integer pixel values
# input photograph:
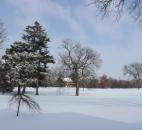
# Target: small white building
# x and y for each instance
(68, 82)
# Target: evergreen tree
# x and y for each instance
(5, 85)
(21, 65)
(36, 37)
(27, 61)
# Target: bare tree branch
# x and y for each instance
(115, 7)
(26, 100)
(2, 33)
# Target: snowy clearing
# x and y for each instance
(94, 109)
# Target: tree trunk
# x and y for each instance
(77, 78)
(37, 82)
(18, 107)
(37, 86)
(19, 89)
(37, 90)
(77, 89)
(24, 90)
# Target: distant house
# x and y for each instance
(68, 82)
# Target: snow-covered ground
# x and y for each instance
(94, 109)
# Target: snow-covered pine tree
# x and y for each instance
(21, 65)
(5, 85)
(36, 37)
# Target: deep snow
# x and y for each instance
(94, 109)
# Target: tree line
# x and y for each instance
(25, 64)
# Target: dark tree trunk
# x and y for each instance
(37, 86)
(19, 89)
(77, 89)
(24, 90)
(18, 107)
(37, 90)
(77, 78)
(37, 83)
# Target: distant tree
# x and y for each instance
(136, 83)
(93, 83)
(104, 83)
(116, 7)
(78, 59)
(2, 33)
(117, 83)
(135, 71)
(59, 81)
(38, 40)
(86, 79)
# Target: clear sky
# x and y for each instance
(119, 43)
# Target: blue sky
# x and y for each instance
(119, 43)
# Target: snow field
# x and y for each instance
(94, 109)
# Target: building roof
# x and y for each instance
(67, 79)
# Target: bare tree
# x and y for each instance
(22, 99)
(106, 7)
(135, 71)
(78, 59)
(2, 33)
